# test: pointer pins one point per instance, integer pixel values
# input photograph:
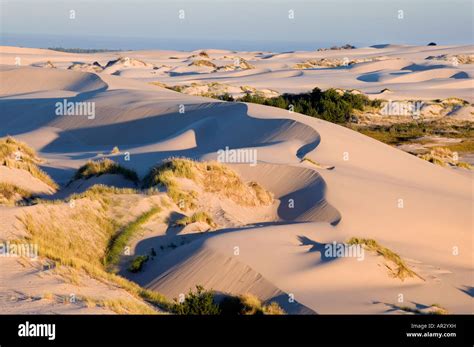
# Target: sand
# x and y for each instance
(360, 187)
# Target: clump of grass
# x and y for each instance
(119, 241)
(18, 155)
(119, 305)
(196, 217)
(219, 178)
(443, 156)
(436, 310)
(137, 263)
(11, 194)
(203, 54)
(102, 167)
(309, 160)
(248, 304)
(464, 165)
(401, 270)
(212, 176)
(202, 62)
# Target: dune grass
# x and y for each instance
(102, 167)
(18, 155)
(202, 62)
(118, 242)
(443, 156)
(437, 310)
(11, 194)
(401, 270)
(78, 238)
(165, 175)
(119, 305)
(213, 177)
(248, 304)
(196, 217)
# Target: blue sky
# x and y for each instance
(243, 24)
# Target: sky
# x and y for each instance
(233, 24)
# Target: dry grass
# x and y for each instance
(78, 238)
(401, 269)
(102, 167)
(119, 305)
(11, 194)
(18, 155)
(213, 177)
(202, 62)
(197, 217)
(252, 305)
(443, 157)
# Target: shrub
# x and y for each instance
(102, 167)
(137, 263)
(226, 97)
(200, 302)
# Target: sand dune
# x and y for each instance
(372, 190)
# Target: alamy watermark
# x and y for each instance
(16, 249)
(402, 108)
(77, 108)
(240, 155)
(344, 250)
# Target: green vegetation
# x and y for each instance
(137, 263)
(200, 302)
(18, 155)
(399, 133)
(330, 105)
(119, 241)
(196, 217)
(401, 271)
(10, 194)
(102, 167)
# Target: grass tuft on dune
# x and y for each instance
(213, 177)
(196, 217)
(11, 194)
(18, 155)
(401, 270)
(103, 167)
